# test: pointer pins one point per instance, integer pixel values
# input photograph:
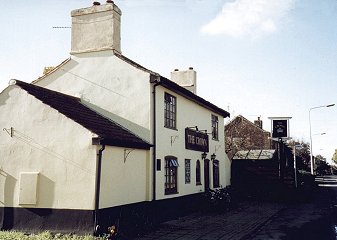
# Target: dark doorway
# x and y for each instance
(206, 173)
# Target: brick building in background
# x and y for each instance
(242, 134)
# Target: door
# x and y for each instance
(206, 174)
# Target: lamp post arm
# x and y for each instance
(311, 157)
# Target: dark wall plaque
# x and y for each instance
(197, 141)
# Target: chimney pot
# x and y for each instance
(109, 1)
(96, 3)
(190, 68)
(176, 70)
(258, 122)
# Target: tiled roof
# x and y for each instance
(233, 121)
(254, 154)
(109, 132)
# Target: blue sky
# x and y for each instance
(252, 57)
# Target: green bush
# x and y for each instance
(13, 235)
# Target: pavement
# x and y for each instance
(255, 220)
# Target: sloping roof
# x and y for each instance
(188, 94)
(109, 132)
(246, 120)
(254, 154)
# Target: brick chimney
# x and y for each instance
(96, 28)
(258, 122)
(186, 79)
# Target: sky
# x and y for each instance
(267, 58)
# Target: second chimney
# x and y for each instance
(186, 79)
(258, 122)
(96, 28)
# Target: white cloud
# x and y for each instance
(252, 18)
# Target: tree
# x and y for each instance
(334, 157)
(302, 154)
(322, 167)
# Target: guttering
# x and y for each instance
(98, 186)
(188, 94)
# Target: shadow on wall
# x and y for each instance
(28, 215)
(7, 185)
(45, 197)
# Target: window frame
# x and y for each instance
(197, 173)
(170, 111)
(171, 175)
(216, 173)
(187, 171)
(215, 127)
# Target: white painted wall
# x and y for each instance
(125, 176)
(48, 143)
(104, 80)
(189, 114)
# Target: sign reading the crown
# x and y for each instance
(195, 140)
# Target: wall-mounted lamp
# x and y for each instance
(203, 155)
(213, 156)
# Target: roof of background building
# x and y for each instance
(233, 121)
(109, 132)
(254, 154)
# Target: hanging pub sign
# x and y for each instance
(195, 140)
(280, 128)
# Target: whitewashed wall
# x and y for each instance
(49, 143)
(189, 114)
(108, 82)
(124, 182)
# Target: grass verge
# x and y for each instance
(13, 235)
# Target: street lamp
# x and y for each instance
(295, 168)
(311, 159)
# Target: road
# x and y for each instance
(311, 219)
(307, 219)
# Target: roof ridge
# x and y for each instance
(44, 89)
(240, 116)
(52, 71)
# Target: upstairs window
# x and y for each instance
(215, 127)
(170, 111)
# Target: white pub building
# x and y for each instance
(100, 140)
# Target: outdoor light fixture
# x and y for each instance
(203, 155)
(213, 156)
(311, 157)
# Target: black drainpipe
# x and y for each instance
(154, 141)
(98, 187)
